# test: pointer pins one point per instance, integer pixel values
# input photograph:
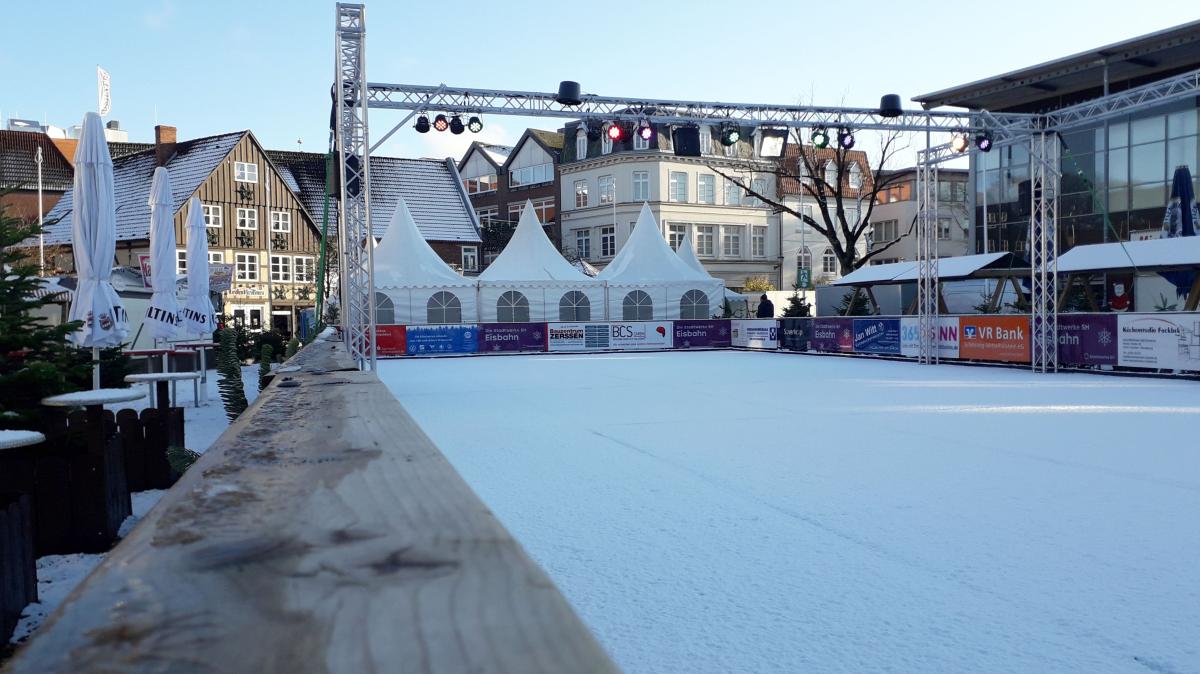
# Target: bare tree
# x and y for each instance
(852, 187)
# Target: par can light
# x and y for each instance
(983, 141)
(959, 142)
(422, 125)
(845, 139)
(730, 135)
(615, 132)
(456, 125)
(475, 125)
(440, 123)
(819, 138)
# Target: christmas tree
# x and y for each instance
(797, 307)
(229, 366)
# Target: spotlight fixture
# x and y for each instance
(440, 123)
(772, 143)
(456, 125)
(615, 132)
(983, 141)
(819, 138)
(959, 142)
(475, 125)
(730, 134)
(845, 138)
(646, 132)
(422, 125)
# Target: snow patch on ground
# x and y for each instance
(57, 576)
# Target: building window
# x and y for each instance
(385, 309)
(512, 307)
(675, 234)
(678, 187)
(731, 150)
(244, 172)
(944, 228)
(637, 306)
(544, 209)
(581, 144)
(608, 241)
(443, 307)
(247, 266)
(481, 184)
(759, 185)
(181, 261)
(640, 143)
(705, 240)
(470, 258)
(531, 175)
(306, 269)
(574, 306)
(885, 231)
(733, 194)
(828, 262)
(606, 143)
(758, 241)
(581, 194)
(705, 140)
(281, 268)
(488, 214)
(216, 257)
(281, 221)
(514, 211)
(607, 190)
(693, 305)
(804, 258)
(855, 176)
(831, 176)
(583, 243)
(212, 215)
(247, 218)
(641, 186)
(731, 241)
(706, 189)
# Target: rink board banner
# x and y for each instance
(576, 336)
(1159, 341)
(910, 336)
(389, 340)
(1000, 338)
(1085, 339)
(756, 333)
(833, 335)
(694, 334)
(641, 335)
(877, 335)
(500, 337)
(602, 336)
(424, 340)
(795, 333)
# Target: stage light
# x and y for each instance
(983, 141)
(456, 125)
(730, 135)
(819, 138)
(959, 142)
(646, 132)
(422, 125)
(615, 132)
(772, 143)
(475, 125)
(440, 123)
(845, 139)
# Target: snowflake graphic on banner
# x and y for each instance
(537, 334)
(1105, 337)
(724, 331)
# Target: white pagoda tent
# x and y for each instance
(531, 281)
(687, 253)
(412, 284)
(649, 281)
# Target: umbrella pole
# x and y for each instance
(95, 367)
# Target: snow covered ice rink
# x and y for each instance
(750, 512)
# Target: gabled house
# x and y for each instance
(19, 174)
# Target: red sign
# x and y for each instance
(144, 262)
(1003, 338)
(389, 340)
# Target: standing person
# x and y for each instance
(765, 308)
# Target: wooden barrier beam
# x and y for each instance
(323, 532)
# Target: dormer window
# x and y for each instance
(581, 143)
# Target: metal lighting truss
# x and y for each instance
(928, 291)
(1043, 251)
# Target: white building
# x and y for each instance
(894, 216)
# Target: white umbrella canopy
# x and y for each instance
(94, 244)
(198, 316)
(162, 316)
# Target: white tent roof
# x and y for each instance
(646, 258)
(1176, 252)
(529, 256)
(404, 258)
(948, 268)
(687, 253)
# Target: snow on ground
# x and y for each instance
(734, 511)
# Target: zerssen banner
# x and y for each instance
(756, 333)
(1159, 341)
(693, 334)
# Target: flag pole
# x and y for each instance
(41, 234)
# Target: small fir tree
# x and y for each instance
(797, 307)
(293, 346)
(229, 366)
(859, 308)
(264, 366)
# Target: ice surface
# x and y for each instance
(733, 511)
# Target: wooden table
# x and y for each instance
(94, 401)
(202, 386)
(161, 379)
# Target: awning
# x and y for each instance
(1149, 255)
(949, 269)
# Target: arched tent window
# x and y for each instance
(512, 307)
(828, 262)
(385, 311)
(443, 307)
(693, 305)
(574, 306)
(637, 306)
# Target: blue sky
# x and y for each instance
(218, 66)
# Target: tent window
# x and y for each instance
(385, 311)
(512, 307)
(574, 306)
(637, 307)
(693, 305)
(443, 307)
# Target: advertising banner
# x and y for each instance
(220, 277)
(424, 340)
(877, 335)
(833, 335)
(1087, 339)
(641, 335)
(144, 263)
(994, 337)
(795, 334)
(757, 333)
(389, 340)
(496, 337)
(576, 336)
(1159, 341)
(910, 336)
(693, 334)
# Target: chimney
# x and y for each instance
(164, 144)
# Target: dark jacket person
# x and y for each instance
(765, 308)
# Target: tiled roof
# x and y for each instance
(120, 149)
(305, 174)
(194, 160)
(549, 138)
(818, 158)
(19, 169)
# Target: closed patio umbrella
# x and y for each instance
(162, 316)
(197, 310)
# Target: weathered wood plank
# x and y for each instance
(322, 533)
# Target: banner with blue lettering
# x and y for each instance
(877, 335)
(429, 340)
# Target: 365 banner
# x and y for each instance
(695, 334)
(425, 340)
(947, 336)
